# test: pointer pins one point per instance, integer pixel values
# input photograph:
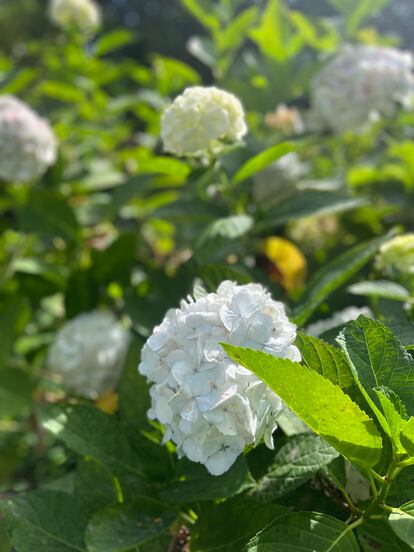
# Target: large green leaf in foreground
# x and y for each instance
(323, 406)
(305, 532)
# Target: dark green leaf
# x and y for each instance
(46, 521)
(334, 275)
(307, 532)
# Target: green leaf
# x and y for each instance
(407, 436)
(307, 532)
(90, 432)
(262, 160)
(195, 483)
(356, 11)
(15, 316)
(332, 276)
(82, 293)
(404, 331)
(270, 34)
(122, 527)
(380, 288)
(395, 422)
(5, 544)
(377, 536)
(113, 41)
(46, 521)
(325, 359)
(116, 261)
(16, 388)
(202, 14)
(234, 34)
(94, 485)
(294, 464)
(48, 214)
(226, 527)
(378, 359)
(323, 406)
(402, 523)
(310, 203)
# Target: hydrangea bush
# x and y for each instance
(206, 299)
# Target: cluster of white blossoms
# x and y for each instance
(361, 82)
(28, 145)
(210, 406)
(200, 119)
(81, 14)
(338, 319)
(88, 353)
(397, 254)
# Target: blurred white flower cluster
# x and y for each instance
(88, 353)
(398, 254)
(82, 14)
(27, 143)
(338, 319)
(211, 406)
(357, 486)
(361, 82)
(200, 119)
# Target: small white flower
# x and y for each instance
(361, 82)
(286, 119)
(211, 406)
(338, 319)
(27, 143)
(200, 119)
(83, 14)
(88, 353)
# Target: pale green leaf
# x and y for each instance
(270, 34)
(407, 436)
(380, 288)
(323, 406)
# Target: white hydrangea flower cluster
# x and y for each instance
(89, 352)
(82, 14)
(28, 145)
(361, 82)
(200, 119)
(211, 406)
(338, 319)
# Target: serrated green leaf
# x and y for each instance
(332, 276)
(404, 331)
(395, 422)
(378, 359)
(123, 527)
(307, 532)
(323, 406)
(262, 160)
(90, 432)
(407, 436)
(46, 521)
(294, 464)
(325, 359)
(226, 527)
(195, 483)
(380, 288)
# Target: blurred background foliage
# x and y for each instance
(118, 223)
